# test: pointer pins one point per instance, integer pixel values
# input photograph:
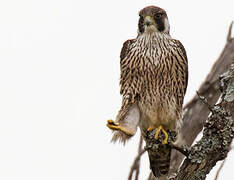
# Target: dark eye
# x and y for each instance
(159, 15)
(141, 18)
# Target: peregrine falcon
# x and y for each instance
(154, 75)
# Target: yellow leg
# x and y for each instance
(115, 126)
(160, 128)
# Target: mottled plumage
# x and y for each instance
(153, 81)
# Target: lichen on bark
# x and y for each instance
(217, 135)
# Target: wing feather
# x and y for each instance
(129, 114)
(183, 55)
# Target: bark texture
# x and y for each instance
(196, 112)
(217, 135)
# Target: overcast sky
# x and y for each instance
(59, 81)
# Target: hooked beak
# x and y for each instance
(148, 20)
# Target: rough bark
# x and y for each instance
(195, 112)
(217, 135)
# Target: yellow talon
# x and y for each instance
(111, 122)
(160, 128)
(150, 128)
(115, 126)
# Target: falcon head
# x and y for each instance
(153, 19)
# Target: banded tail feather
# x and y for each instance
(159, 154)
(160, 160)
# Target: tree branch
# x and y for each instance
(136, 164)
(217, 135)
(220, 167)
(196, 112)
(229, 36)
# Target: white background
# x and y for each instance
(59, 75)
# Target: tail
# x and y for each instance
(160, 160)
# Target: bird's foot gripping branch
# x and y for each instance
(158, 151)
